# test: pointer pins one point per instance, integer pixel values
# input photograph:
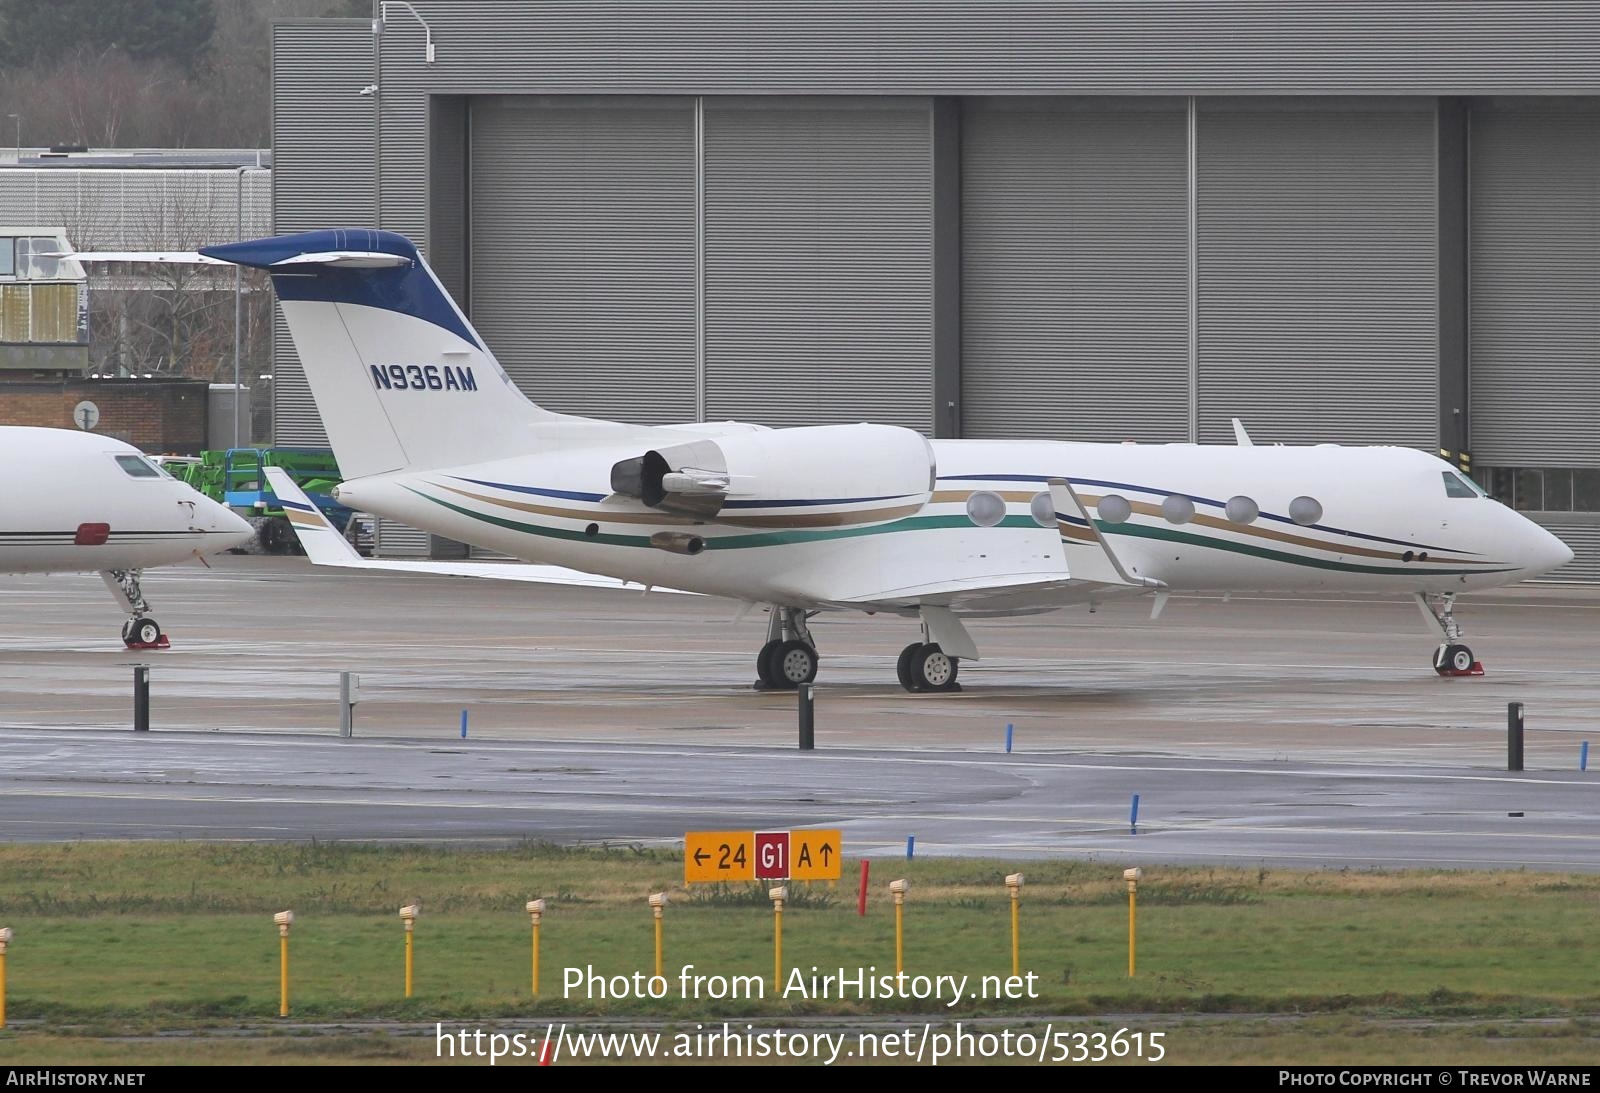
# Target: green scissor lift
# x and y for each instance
(233, 477)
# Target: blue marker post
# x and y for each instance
(911, 847)
(463, 724)
(1133, 817)
(1008, 738)
(1583, 756)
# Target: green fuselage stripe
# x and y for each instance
(925, 523)
(1189, 538)
(729, 542)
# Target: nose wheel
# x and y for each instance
(139, 631)
(142, 632)
(1452, 658)
(1455, 660)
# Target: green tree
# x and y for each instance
(177, 31)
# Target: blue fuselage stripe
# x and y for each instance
(573, 495)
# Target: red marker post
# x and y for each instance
(861, 896)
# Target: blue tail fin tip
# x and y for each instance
(407, 290)
(263, 253)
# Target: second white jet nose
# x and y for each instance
(226, 528)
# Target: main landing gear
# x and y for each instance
(924, 666)
(1452, 658)
(139, 631)
(789, 658)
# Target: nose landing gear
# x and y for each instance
(1453, 657)
(140, 631)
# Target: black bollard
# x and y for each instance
(1514, 736)
(141, 698)
(808, 721)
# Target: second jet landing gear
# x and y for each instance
(140, 631)
(789, 658)
(924, 666)
(1452, 658)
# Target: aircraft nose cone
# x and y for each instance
(1548, 553)
(231, 529)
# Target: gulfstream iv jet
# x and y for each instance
(431, 431)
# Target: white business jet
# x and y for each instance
(78, 502)
(431, 431)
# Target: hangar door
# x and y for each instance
(1316, 247)
(1074, 269)
(582, 250)
(1534, 344)
(818, 261)
(1535, 243)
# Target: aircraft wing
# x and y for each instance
(325, 546)
(970, 593)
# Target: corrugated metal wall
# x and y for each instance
(1074, 252)
(1317, 249)
(1582, 534)
(109, 208)
(583, 251)
(1535, 269)
(819, 261)
(978, 47)
(323, 173)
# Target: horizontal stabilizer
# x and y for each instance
(326, 547)
(163, 257)
(344, 259)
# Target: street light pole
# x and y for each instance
(238, 287)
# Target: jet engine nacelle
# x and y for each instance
(834, 465)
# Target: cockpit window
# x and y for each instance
(137, 466)
(1455, 486)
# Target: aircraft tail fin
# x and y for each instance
(399, 375)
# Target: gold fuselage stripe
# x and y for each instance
(782, 520)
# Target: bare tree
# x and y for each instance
(160, 319)
(103, 97)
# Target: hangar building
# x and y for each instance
(1362, 221)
